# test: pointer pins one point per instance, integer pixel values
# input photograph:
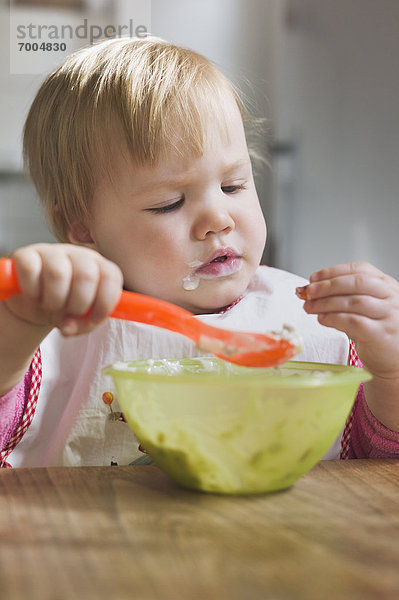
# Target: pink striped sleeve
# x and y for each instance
(12, 407)
(19, 406)
(364, 436)
(369, 438)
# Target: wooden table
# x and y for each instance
(130, 532)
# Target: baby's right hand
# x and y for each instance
(60, 283)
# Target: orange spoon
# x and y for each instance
(246, 349)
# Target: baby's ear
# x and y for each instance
(80, 234)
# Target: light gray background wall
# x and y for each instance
(337, 193)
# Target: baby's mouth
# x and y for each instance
(221, 255)
(220, 259)
(222, 263)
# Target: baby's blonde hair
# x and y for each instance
(137, 90)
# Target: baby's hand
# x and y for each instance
(363, 302)
(60, 283)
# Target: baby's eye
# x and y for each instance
(232, 189)
(167, 207)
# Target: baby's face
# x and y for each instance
(189, 230)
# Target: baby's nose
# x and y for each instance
(213, 219)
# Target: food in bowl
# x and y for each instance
(216, 427)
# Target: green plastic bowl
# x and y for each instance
(216, 427)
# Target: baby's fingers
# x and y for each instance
(28, 265)
(83, 286)
(108, 291)
(353, 268)
(351, 279)
(44, 273)
(362, 305)
(94, 293)
(349, 285)
(358, 327)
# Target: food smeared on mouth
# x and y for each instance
(222, 263)
(191, 282)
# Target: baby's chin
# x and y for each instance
(200, 304)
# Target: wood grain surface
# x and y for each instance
(120, 533)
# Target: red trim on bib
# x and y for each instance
(354, 361)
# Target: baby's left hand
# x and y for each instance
(362, 301)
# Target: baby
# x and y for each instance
(138, 151)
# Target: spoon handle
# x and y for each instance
(146, 309)
(8, 279)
